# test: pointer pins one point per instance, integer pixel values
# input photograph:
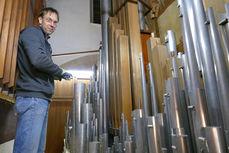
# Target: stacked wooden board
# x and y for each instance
(124, 64)
(15, 15)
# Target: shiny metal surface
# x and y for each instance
(173, 51)
(86, 113)
(162, 126)
(177, 115)
(209, 76)
(141, 16)
(213, 140)
(105, 10)
(140, 131)
(194, 31)
(197, 98)
(94, 147)
(224, 26)
(129, 147)
(153, 135)
(81, 145)
(86, 117)
(101, 117)
(79, 94)
(222, 71)
(152, 91)
(144, 87)
(181, 144)
(123, 129)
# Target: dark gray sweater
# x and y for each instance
(36, 68)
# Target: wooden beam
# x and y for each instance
(74, 53)
(18, 29)
(114, 26)
(23, 22)
(28, 12)
(9, 50)
(36, 12)
(133, 32)
(158, 56)
(2, 6)
(4, 34)
(111, 21)
(117, 33)
(124, 78)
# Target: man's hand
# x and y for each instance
(67, 76)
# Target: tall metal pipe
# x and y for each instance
(81, 145)
(129, 147)
(105, 6)
(222, 71)
(178, 111)
(141, 16)
(94, 72)
(181, 144)
(144, 88)
(186, 82)
(153, 135)
(152, 91)
(94, 147)
(101, 117)
(197, 97)
(140, 131)
(224, 26)
(86, 117)
(123, 128)
(162, 126)
(213, 140)
(208, 65)
(194, 31)
(79, 92)
(173, 52)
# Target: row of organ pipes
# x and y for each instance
(195, 120)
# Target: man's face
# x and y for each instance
(48, 22)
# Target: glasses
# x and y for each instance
(49, 20)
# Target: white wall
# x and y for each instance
(74, 31)
(7, 147)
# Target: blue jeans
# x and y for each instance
(31, 125)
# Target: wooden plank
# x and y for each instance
(124, 77)
(2, 6)
(4, 34)
(9, 50)
(117, 33)
(56, 124)
(111, 20)
(124, 19)
(159, 56)
(113, 93)
(36, 12)
(28, 13)
(151, 43)
(23, 22)
(8, 122)
(133, 32)
(14, 57)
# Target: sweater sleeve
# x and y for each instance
(35, 50)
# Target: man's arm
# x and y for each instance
(36, 53)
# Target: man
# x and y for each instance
(35, 83)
